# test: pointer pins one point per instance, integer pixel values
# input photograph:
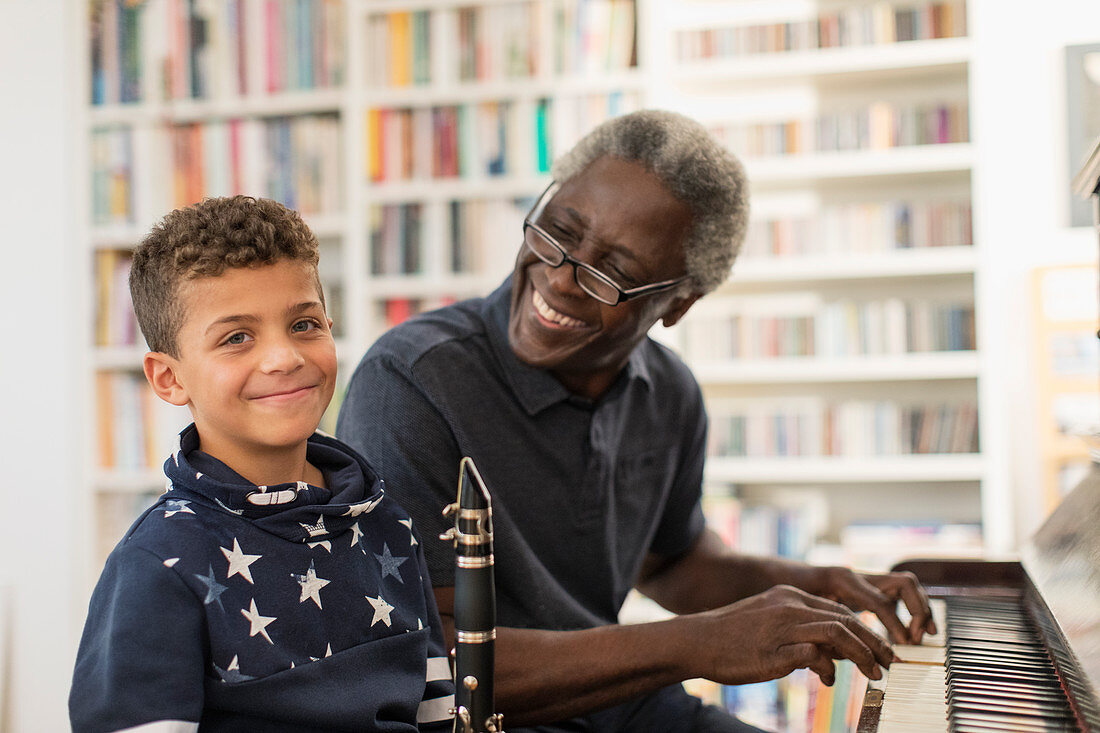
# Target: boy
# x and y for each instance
(273, 586)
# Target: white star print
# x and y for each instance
(220, 503)
(177, 506)
(354, 510)
(381, 610)
(311, 585)
(315, 529)
(328, 650)
(239, 562)
(171, 561)
(259, 623)
(356, 534)
(323, 543)
(412, 538)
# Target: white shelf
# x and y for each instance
(108, 358)
(455, 189)
(363, 7)
(869, 164)
(821, 370)
(381, 287)
(457, 93)
(916, 262)
(865, 63)
(198, 110)
(837, 469)
(128, 236)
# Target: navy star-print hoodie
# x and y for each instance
(230, 606)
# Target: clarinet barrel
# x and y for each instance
(475, 604)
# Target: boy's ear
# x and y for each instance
(678, 308)
(160, 370)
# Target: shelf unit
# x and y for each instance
(188, 128)
(839, 180)
(418, 224)
(789, 105)
(581, 64)
(539, 101)
(542, 89)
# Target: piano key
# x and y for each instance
(920, 654)
(1015, 723)
(1044, 711)
(996, 675)
(1014, 692)
(913, 701)
(987, 658)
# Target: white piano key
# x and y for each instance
(914, 700)
(914, 654)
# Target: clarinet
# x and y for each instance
(475, 603)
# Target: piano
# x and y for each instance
(1021, 640)
(1018, 645)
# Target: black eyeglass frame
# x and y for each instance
(623, 294)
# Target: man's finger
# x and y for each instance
(840, 640)
(797, 656)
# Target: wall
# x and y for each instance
(39, 446)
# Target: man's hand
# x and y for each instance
(769, 635)
(879, 594)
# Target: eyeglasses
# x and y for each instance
(588, 278)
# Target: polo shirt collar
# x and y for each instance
(535, 388)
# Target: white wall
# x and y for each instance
(39, 450)
(1021, 184)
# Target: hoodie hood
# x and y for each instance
(295, 511)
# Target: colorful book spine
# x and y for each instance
(493, 138)
(877, 126)
(814, 427)
(858, 25)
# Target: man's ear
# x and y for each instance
(678, 308)
(160, 370)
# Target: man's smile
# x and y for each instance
(551, 317)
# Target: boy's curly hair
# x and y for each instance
(204, 240)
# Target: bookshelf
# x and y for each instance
(842, 361)
(463, 108)
(413, 135)
(854, 297)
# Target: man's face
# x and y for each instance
(257, 361)
(617, 217)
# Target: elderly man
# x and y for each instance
(591, 437)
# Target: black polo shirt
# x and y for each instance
(581, 490)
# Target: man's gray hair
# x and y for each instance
(694, 166)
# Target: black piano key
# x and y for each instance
(1001, 663)
(1010, 692)
(998, 673)
(984, 673)
(1042, 710)
(1017, 723)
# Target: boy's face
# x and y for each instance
(257, 362)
